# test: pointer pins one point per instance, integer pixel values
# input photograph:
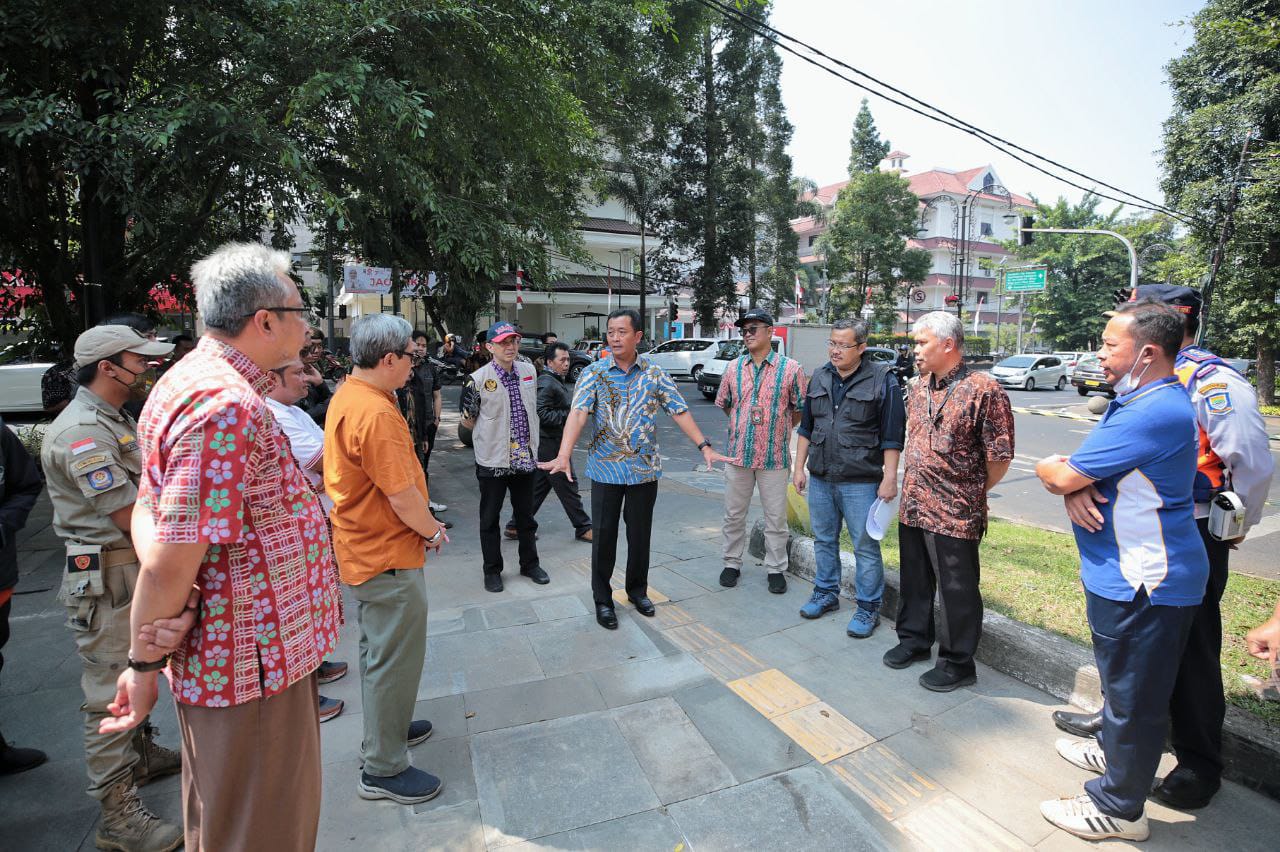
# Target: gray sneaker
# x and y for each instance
(408, 788)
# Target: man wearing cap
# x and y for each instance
(92, 464)
(1233, 455)
(500, 406)
(761, 392)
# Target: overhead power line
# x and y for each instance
(776, 37)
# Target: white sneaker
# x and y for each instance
(1078, 815)
(1086, 754)
(437, 508)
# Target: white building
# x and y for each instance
(943, 194)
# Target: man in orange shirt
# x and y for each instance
(381, 525)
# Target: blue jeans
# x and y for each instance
(829, 503)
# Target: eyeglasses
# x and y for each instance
(836, 346)
(753, 329)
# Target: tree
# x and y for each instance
(865, 148)
(1221, 144)
(866, 244)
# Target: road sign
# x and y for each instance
(1024, 280)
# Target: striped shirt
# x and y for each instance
(761, 402)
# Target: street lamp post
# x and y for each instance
(967, 236)
(953, 246)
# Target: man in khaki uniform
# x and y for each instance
(92, 466)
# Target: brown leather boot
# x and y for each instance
(127, 826)
(154, 760)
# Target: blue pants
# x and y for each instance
(829, 503)
(1137, 647)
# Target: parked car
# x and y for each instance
(20, 388)
(713, 370)
(1070, 359)
(591, 348)
(685, 357)
(1088, 378)
(1030, 372)
(532, 347)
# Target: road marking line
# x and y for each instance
(1019, 409)
(823, 731)
(772, 693)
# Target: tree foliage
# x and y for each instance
(865, 148)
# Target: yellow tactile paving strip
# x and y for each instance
(883, 780)
(950, 823)
(695, 637)
(772, 693)
(730, 662)
(671, 615)
(620, 596)
(823, 731)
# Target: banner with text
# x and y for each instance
(366, 279)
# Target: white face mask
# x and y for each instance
(1127, 383)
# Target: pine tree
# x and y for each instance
(865, 148)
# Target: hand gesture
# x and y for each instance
(800, 479)
(710, 456)
(1082, 508)
(560, 464)
(888, 489)
(135, 698)
(164, 635)
(1263, 641)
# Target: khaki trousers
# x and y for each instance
(393, 646)
(739, 482)
(251, 773)
(104, 652)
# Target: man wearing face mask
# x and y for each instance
(1142, 564)
(92, 463)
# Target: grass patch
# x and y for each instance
(1033, 576)
(1270, 410)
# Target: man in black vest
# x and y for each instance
(851, 434)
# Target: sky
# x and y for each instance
(1081, 82)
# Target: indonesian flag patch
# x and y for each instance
(83, 446)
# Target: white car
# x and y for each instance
(684, 357)
(20, 388)
(1071, 359)
(1031, 371)
(709, 378)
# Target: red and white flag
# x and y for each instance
(799, 293)
(519, 289)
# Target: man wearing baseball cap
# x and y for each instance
(500, 406)
(1233, 455)
(92, 464)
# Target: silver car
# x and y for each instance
(1031, 371)
(686, 357)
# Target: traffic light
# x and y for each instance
(1025, 237)
(675, 312)
(322, 306)
(342, 311)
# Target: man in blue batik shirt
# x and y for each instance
(1142, 563)
(622, 394)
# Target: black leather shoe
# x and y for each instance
(941, 680)
(1182, 790)
(14, 759)
(1080, 724)
(606, 617)
(537, 575)
(729, 577)
(493, 582)
(644, 606)
(900, 656)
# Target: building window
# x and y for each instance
(987, 182)
(984, 229)
(813, 238)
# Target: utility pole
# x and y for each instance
(328, 253)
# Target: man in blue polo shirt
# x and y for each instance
(1142, 563)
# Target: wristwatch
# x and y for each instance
(153, 666)
(705, 443)
(433, 539)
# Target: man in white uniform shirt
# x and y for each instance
(306, 441)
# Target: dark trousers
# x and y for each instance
(1137, 647)
(431, 444)
(4, 628)
(492, 491)
(566, 491)
(933, 562)
(634, 503)
(1197, 707)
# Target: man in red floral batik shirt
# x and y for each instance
(224, 506)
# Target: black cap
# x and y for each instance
(755, 315)
(1181, 299)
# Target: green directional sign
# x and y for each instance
(1024, 280)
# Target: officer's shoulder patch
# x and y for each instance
(90, 461)
(1193, 353)
(101, 479)
(1219, 402)
(1206, 370)
(1205, 390)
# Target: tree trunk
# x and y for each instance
(710, 251)
(1266, 371)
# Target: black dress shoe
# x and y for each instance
(1080, 724)
(493, 582)
(644, 606)
(1182, 790)
(729, 577)
(537, 575)
(900, 656)
(606, 617)
(941, 680)
(14, 759)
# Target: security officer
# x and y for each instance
(92, 465)
(1234, 454)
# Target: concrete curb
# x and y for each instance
(1251, 749)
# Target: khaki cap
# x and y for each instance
(103, 341)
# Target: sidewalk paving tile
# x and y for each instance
(579, 644)
(731, 662)
(450, 761)
(772, 693)
(674, 756)
(509, 614)
(695, 637)
(742, 613)
(466, 662)
(799, 809)
(341, 737)
(883, 780)
(558, 607)
(443, 621)
(536, 701)
(671, 615)
(675, 586)
(641, 680)
(748, 743)
(702, 570)
(949, 823)
(650, 830)
(823, 731)
(521, 777)
(349, 822)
